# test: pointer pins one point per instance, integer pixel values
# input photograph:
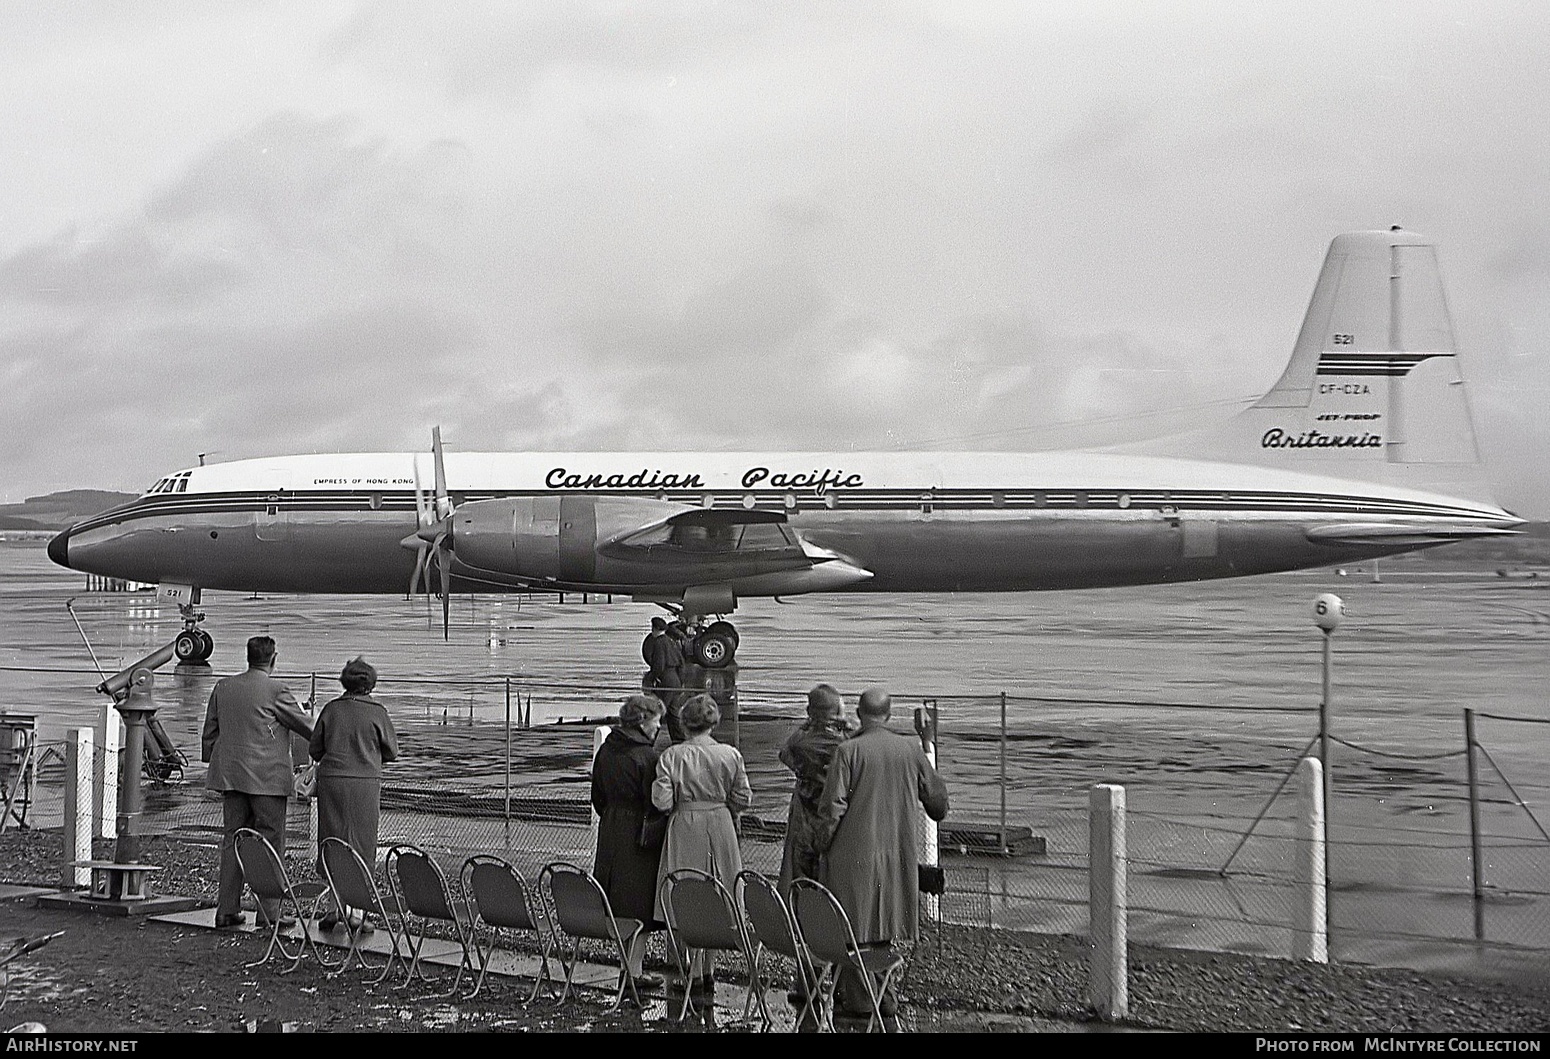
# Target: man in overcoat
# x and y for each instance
(247, 743)
(665, 660)
(867, 829)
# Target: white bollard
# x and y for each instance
(110, 736)
(78, 805)
(1108, 985)
(930, 848)
(1310, 909)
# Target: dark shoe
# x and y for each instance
(888, 1004)
(328, 922)
(649, 980)
(234, 920)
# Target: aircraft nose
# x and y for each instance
(59, 548)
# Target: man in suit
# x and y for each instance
(247, 744)
(866, 830)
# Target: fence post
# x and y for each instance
(1476, 858)
(1108, 986)
(78, 805)
(105, 796)
(507, 785)
(1001, 834)
(1310, 922)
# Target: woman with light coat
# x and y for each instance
(703, 785)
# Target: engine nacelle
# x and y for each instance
(548, 538)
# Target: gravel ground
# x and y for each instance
(957, 979)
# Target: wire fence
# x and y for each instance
(1438, 855)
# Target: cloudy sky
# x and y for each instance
(248, 228)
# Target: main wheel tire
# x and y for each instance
(206, 644)
(725, 628)
(187, 645)
(714, 649)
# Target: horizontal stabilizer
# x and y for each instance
(1403, 536)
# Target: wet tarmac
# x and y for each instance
(1197, 697)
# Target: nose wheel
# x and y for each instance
(193, 646)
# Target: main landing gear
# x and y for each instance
(193, 645)
(713, 646)
(716, 645)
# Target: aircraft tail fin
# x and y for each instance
(1373, 389)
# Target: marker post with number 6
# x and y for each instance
(1328, 609)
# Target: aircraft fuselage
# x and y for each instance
(936, 522)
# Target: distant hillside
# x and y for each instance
(58, 510)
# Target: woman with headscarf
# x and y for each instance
(351, 741)
(703, 784)
(807, 753)
(629, 831)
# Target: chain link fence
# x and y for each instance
(1437, 858)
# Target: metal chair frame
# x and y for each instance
(587, 923)
(771, 925)
(522, 908)
(841, 950)
(730, 935)
(264, 871)
(363, 894)
(427, 897)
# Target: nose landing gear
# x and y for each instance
(193, 645)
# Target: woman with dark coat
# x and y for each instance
(629, 830)
(351, 741)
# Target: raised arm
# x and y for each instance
(930, 788)
(288, 711)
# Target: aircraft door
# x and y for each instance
(1197, 538)
(273, 521)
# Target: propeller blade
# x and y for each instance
(446, 600)
(444, 568)
(443, 503)
(419, 568)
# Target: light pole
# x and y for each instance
(1327, 612)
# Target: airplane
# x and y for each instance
(1363, 448)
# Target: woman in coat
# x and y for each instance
(628, 846)
(704, 785)
(351, 741)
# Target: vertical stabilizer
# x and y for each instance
(1373, 389)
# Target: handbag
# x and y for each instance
(305, 781)
(653, 829)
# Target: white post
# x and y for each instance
(105, 797)
(929, 846)
(1108, 986)
(78, 807)
(599, 734)
(1310, 924)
